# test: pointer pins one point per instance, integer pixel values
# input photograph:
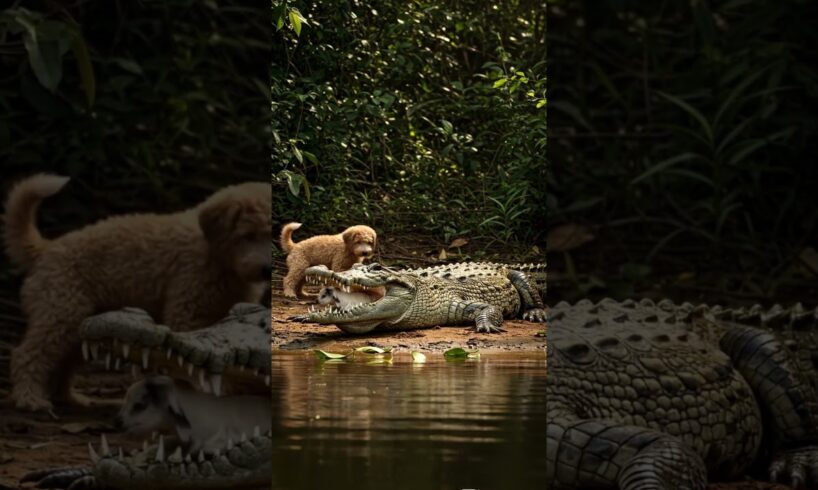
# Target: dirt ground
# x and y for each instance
(519, 335)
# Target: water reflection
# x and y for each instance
(437, 426)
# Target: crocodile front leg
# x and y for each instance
(602, 454)
(486, 318)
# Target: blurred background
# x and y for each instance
(682, 150)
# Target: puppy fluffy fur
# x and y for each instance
(338, 252)
(186, 269)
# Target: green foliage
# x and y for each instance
(686, 130)
(415, 117)
(161, 102)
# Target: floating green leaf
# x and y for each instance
(324, 355)
(371, 349)
(418, 357)
(460, 353)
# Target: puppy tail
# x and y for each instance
(287, 243)
(22, 239)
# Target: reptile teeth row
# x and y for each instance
(208, 382)
(177, 457)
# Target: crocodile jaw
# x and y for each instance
(243, 463)
(364, 317)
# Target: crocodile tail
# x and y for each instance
(287, 243)
(22, 239)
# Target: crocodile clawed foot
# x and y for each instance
(489, 328)
(70, 478)
(535, 315)
(798, 467)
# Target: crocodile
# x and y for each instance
(231, 357)
(645, 395)
(479, 293)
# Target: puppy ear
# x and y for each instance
(218, 219)
(349, 237)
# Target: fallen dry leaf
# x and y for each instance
(443, 255)
(458, 242)
(568, 237)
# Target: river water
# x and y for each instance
(440, 425)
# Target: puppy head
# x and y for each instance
(328, 296)
(151, 405)
(361, 240)
(237, 223)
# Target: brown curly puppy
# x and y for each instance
(186, 269)
(338, 252)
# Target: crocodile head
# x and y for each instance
(398, 292)
(229, 358)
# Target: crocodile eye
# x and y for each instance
(375, 267)
(139, 406)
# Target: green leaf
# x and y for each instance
(371, 349)
(693, 112)
(418, 357)
(447, 127)
(295, 20)
(298, 155)
(499, 83)
(278, 15)
(85, 68)
(310, 156)
(663, 165)
(460, 353)
(540, 104)
(324, 355)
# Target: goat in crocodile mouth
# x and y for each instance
(201, 422)
(342, 299)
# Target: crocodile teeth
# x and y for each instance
(126, 350)
(134, 371)
(92, 454)
(169, 353)
(202, 378)
(106, 451)
(160, 451)
(241, 367)
(256, 431)
(216, 384)
(145, 353)
(108, 361)
(120, 456)
(229, 443)
(117, 363)
(243, 437)
(200, 457)
(267, 380)
(190, 369)
(188, 459)
(94, 351)
(180, 360)
(153, 435)
(85, 353)
(144, 446)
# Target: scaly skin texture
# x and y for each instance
(230, 357)
(479, 293)
(664, 396)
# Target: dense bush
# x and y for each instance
(417, 117)
(685, 131)
(150, 103)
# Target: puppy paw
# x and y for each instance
(31, 402)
